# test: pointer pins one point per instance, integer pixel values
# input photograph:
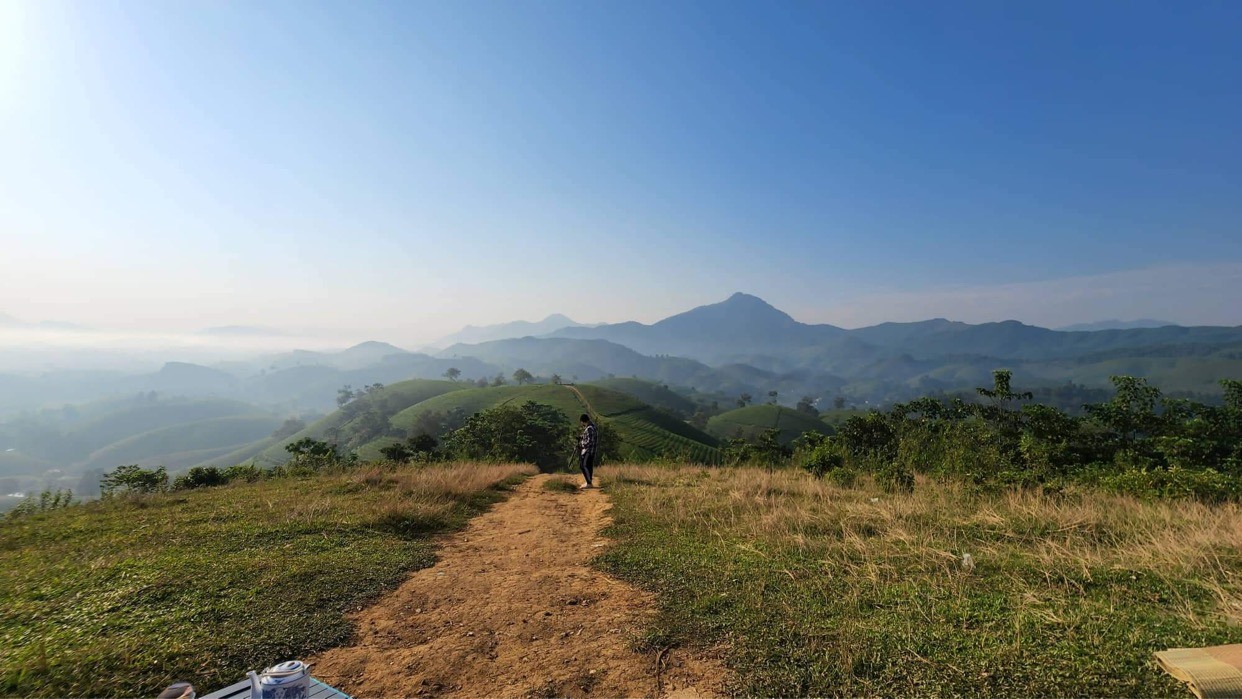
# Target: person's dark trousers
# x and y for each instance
(586, 462)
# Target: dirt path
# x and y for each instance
(513, 609)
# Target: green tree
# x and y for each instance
(1131, 413)
(452, 373)
(807, 405)
(744, 400)
(556, 379)
(398, 452)
(344, 395)
(531, 433)
(499, 380)
(134, 479)
(772, 396)
(1002, 397)
(522, 377)
(839, 402)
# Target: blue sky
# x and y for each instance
(400, 169)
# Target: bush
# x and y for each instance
(1207, 485)
(843, 476)
(895, 477)
(243, 472)
(200, 477)
(133, 479)
(825, 456)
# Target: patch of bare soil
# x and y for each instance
(513, 609)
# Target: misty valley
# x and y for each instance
(64, 428)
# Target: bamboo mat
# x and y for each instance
(1212, 673)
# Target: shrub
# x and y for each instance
(243, 472)
(822, 458)
(895, 477)
(844, 476)
(1207, 485)
(200, 477)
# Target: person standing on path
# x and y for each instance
(586, 451)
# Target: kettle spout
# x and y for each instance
(256, 691)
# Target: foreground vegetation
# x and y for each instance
(123, 596)
(812, 589)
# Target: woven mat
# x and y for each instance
(1212, 673)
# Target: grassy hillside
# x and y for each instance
(812, 590)
(645, 432)
(144, 416)
(158, 447)
(123, 597)
(751, 421)
(654, 394)
(343, 426)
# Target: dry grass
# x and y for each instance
(1069, 593)
(121, 598)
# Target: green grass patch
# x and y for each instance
(560, 485)
(753, 420)
(818, 591)
(122, 597)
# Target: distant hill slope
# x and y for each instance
(505, 331)
(593, 360)
(181, 445)
(741, 324)
(645, 432)
(353, 423)
(652, 393)
(141, 417)
(751, 421)
(1116, 325)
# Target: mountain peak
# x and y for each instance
(375, 346)
(739, 297)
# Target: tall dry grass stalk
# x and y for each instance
(1063, 538)
(431, 493)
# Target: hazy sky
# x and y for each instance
(396, 170)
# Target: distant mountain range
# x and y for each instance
(8, 321)
(504, 331)
(1116, 325)
(185, 412)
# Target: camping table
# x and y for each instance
(241, 690)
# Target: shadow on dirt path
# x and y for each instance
(513, 609)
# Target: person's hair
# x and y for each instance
(584, 418)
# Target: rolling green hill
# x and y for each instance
(178, 446)
(752, 420)
(645, 432)
(142, 417)
(352, 425)
(651, 393)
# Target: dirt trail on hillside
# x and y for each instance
(513, 609)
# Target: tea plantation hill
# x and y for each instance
(654, 394)
(645, 432)
(346, 427)
(182, 446)
(751, 421)
(141, 429)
